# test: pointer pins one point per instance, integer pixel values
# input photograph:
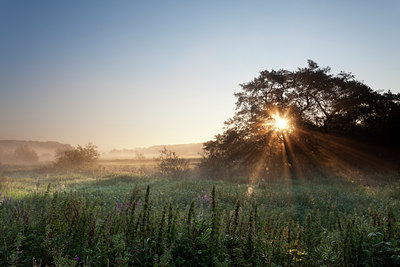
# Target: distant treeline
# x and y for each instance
(183, 150)
(29, 152)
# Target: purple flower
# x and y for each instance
(76, 258)
(203, 198)
(10, 199)
(138, 203)
(119, 205)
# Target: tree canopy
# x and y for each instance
(320, 109)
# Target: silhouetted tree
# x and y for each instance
(316, 103)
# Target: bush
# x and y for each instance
(170, 165)
(78, 158)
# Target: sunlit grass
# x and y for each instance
(316, 210)
(336, 195)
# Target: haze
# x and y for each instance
(128, 74)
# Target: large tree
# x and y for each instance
(287, 119)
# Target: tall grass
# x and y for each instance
(128, 221)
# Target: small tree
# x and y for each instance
(78, 158)
(170, 165)
(140, 156)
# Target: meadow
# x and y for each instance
(136, 218)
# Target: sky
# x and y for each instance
(125, 74)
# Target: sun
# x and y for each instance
(281, 124)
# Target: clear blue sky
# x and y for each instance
(137, 73)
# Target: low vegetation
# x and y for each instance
(120, 220)
(170, 165)
(77, 158)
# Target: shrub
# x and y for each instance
(78, 158)
(170, 165)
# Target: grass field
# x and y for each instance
(126, 219)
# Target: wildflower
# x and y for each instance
(5, 199)
(138, 203)
(119, 205)
(203, 198)
(76, 258)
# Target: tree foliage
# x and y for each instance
(317, 103)
(78, 158)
